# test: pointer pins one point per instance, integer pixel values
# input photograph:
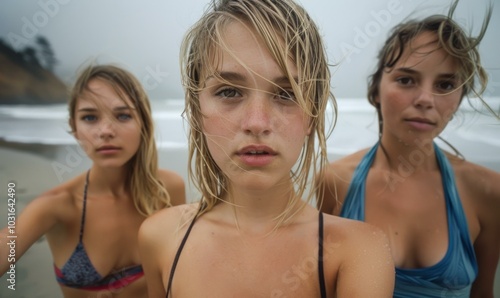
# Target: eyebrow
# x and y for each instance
(407, 70)
(116, 109)
(414, 72)
(237, 77)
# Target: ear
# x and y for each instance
(309, 129)
(72, 127)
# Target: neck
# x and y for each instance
(108, 181)
(258, 212)
(417, 156)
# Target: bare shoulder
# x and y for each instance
(359, 251)
(175, 185)
(342, 169)
(353, 233)
(168, 223)
(479, 182)
(170, 178)
(478, 187)
(332, 188)
(61, 200)
(160, 235)
(53, 208)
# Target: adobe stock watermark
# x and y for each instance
(76, 155)
(365, 35)
(407, 166)
(154, 77)
(30, 27)
(424, 148)
(72, 160)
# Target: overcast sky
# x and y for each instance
(144, 36)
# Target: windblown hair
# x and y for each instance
(147, 190)
(289, 34)
(450, 37)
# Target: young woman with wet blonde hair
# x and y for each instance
(257, 86)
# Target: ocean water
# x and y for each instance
(38, 152)
(474, 134)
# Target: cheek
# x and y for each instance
(82, 135)
(216, 122)
(218, 131)
(134, 134)
(214, 125)
(296, 142)
(86, 132)
(448, 110)
(295, 134)
(84, 142)
(391, 101)
(136, 137)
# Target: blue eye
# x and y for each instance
(89, 118)
(124, 117)
(228, 93)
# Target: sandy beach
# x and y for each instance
(34, 273)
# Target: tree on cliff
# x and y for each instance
(46, 53)
(38, 55)
(26, 74)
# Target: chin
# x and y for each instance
(112, 165)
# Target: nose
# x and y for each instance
(106, 130)
(257, 115)
(424, 98)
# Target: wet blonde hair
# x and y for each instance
(289, 34)
(148, 192)
(450, 37)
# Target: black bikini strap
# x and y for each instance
(321, 274)
(85, 188)
(178, 254)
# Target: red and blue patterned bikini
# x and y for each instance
(79, 273)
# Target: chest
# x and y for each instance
(104, 227)
(414, 214)
(230, 266)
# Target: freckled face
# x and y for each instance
(107, 126)
(253, 126)
(420, 94)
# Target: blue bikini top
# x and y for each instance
(455, 273)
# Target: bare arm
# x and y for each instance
(487, 244)
(487, 255)
(149, 249)
(158, 241)
(37, 218)
(368, 268)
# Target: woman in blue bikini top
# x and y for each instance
(440, 212)
(91, 221)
